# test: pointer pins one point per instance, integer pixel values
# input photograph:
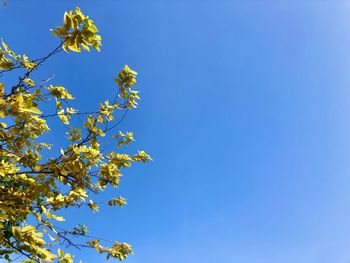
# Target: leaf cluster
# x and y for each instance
(78, 31)
(39, 179)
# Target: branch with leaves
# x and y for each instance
(36, 179)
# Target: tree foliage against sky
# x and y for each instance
(38, 179)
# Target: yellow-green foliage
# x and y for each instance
(78, 30)
(34, 186)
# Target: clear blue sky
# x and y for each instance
(245, 111)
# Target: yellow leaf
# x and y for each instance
(58, 218)
(29, 82)
(32, 109)
(2, 89)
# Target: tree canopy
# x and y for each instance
(38, 179)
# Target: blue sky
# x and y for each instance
(245, 111)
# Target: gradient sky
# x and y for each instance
(245, 111)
